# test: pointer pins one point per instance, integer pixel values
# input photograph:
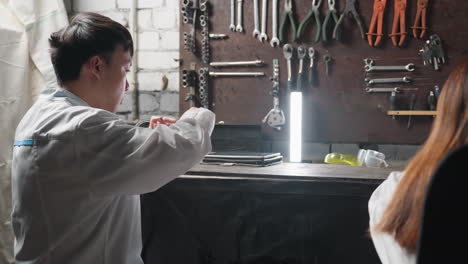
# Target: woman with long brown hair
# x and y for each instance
(396, 206)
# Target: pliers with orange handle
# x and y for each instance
(376, 23)
(399, 18)
(420, 20)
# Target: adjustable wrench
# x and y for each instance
(232, 27)
(239, 27)
(301, 53)
(263, 35)
(274, 31)
(256, 32)
(389, 80)
(288, 54)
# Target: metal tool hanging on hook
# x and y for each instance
(287, 15)
(237, 63)
(376, 25)
(288, 54)
(399, 23)
(420, 20)
(275, 117)
(275, 42)
(313, 13)
(370, 67)
(263, 35)
(404, 79)
(350, 8)
(331, 14)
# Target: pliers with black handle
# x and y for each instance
(288, 14)
(313, 12)
(350, 8)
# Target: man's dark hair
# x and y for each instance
(87, 35)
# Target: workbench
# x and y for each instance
(287, 213)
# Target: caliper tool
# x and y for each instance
(399, 19)
(275, 117)
(420, 20)
(288, 14)
(288, 54)
(349, 8)
(331, 13)
(376, 25)
(301, 53)
(313, 12)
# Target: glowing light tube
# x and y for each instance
(295, 133)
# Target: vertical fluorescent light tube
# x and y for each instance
(295, 133)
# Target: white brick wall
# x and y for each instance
(158, 49)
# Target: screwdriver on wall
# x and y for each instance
(393, 99)
(431, 101)
(412, 104)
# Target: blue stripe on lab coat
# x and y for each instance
(23, 143)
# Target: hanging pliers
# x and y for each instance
(420, 20)
(313, 12)
(330, 13)
(349, 8)
(399, 19)
(375, 28)
(288, 14)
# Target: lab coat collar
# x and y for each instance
(57, 92)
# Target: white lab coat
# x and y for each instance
(25, 67)
(388, 249)
(76, 184)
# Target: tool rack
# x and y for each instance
(337, 109)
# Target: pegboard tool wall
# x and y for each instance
(337, 109)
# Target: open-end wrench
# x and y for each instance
(263, 35)
(239, 27)
(388, 90)
(256, 32)
(236, 74)
(311, 52)
(274, 31)
(389, 80)
(301, 53)
(409, 67)
(232, 27)
(288, 54)
(237, 63)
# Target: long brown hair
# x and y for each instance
(402, 217)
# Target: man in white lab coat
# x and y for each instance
(78, 169)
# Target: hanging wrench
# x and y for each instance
(369, 67)
(256, 32)
(275, 40)
(301, 53)
(389, 80)
(239, 27)
(409, 67)
(263, 35)
(232, 27)
(311, 52)
(288, 54)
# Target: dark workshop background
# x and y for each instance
(337, 110)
